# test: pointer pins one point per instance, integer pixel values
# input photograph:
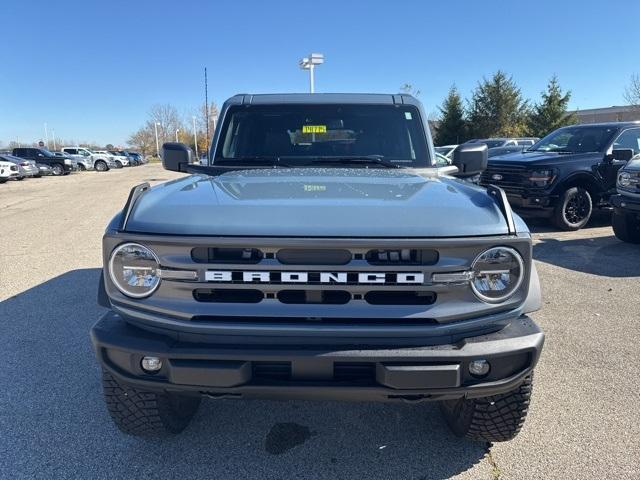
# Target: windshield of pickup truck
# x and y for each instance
(583, 139)
(297, 135)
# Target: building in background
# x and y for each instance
(609, 114)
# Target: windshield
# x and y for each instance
(579, 139)
(444, 150)
(302, 134)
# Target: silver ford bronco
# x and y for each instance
(320, 253)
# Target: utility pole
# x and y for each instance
(309, 63)
(177, 130)
(195, 137)
(155, 125)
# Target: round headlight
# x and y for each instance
(624, 179)
(134, 270)
(497, 274)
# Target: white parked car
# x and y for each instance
(8, 170)
(91, 160)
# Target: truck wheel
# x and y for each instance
(118, 164)
(142, 413)
(492, 419)
(626, 227)
(57, 169)
(573, 210)
(81, 168)
(101, 166)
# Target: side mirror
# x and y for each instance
(471, 159)
(176, 156)
(624, 154)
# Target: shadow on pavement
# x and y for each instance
(542, 225)
(605, 256)
(55, 424)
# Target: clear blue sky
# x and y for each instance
(91, 70)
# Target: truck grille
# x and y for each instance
(511, 178)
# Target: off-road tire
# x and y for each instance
(141, 413)
(101, 166)
(626, 227)
(491, 419)
(57, 169)
(573, 210)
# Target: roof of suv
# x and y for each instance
(323, 98)
(635, 123)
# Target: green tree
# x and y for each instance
(497, 108)
(551, 113)
(452, 127)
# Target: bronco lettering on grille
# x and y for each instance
(227, 276)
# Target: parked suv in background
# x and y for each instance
(82, 162)
(60, 166)
(320, 253)
(120, 160)
(626, 205)
(101, 162)
(505, 142)
(568, 173)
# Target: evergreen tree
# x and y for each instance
(497, 109)
(551, 112)
(452, 128)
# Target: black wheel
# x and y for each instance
(101, 166)
(118, 164)
(37, 176)
(81, 168)
(626, 227)
(20, 178)
(3, 180)
(491, 419)
(57, 169)
(143, 413)
(573, 210)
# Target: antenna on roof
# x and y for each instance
(206, 105)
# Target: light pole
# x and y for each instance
(309, 63)
(177, 130)
(53, 133)
(155, 125)
(195, 136)
(46, 134)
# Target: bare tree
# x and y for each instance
(632, 92)
(143, 140)
(167, 119)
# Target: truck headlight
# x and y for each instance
(542, 178)
(68, 161)
(134, 270)
(497, 274)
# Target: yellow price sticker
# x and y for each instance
(314, 129)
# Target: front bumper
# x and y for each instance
(532, 205)
(435, 372)
(625, 204)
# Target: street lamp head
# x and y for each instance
(316, 58)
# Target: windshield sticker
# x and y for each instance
(314, 129)
(407, 115)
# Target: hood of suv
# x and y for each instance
(325, 202)
(534, 158)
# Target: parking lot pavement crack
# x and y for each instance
(495, 472)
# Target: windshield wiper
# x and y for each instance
(376, 160)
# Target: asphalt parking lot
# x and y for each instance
(583, 423)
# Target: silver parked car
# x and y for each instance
(27, 168)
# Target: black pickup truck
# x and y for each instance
(59, 165)
(568, 173)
